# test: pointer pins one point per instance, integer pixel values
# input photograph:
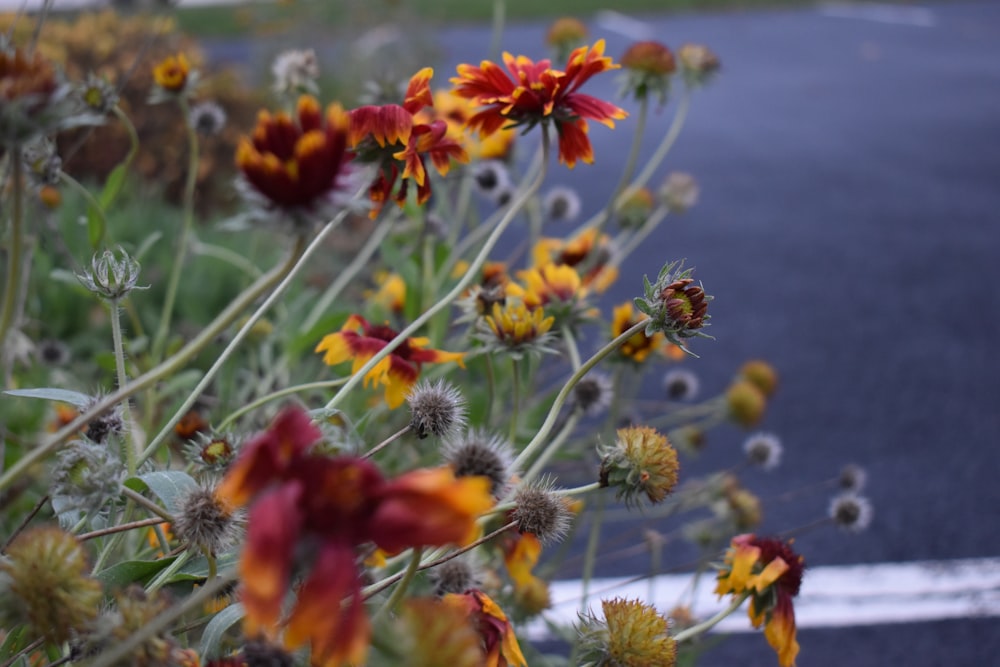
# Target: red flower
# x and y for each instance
(359, 341)
(334, 505)
(390, 136)
(499, 641)
(534, 93)
(296, 163)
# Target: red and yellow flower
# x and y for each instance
(575, 252)
(300, 162)
(529, 93)
(770, 572)
(334, 504)
(498, 639)
(456, 112)
(392, 136)
(358, 341)
(171, 73)
(639, 346)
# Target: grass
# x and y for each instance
(241, 19)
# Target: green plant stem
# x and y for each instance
(634, 241)
(194, 601)
(241, 334)
(388, 441)
(572, 350)
(550, 419)
(89, 197)
(705, 626)
(166, 368)
(168, 572)
(226, 255)
(144, 523)
(515, 400)
(119, 351)
(344, 278)
(14, 254)
(459, 287)
(499, 17)
(401, 588)
(281, 393)
(590, 556)
(668, 142)
(147, 504)
(160, 340)
(38, 643)
(579, 490)
(554, 446)
(133, 136)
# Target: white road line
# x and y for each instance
(918, 17)
(832, 596)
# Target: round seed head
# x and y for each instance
(207, 522)
(680, 384)
(763, 450)
(746, 403)
(478, 453)
(53, 352)
(592, 394)
(491, 176)
(561, 203)
(640, 462)
(632, 634)
(207, 118)
(761, 375)
(436, 409)
(852, 478)
(541, 512)
(851, 512)
(455, 576)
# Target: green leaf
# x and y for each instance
(170, 486)
(127, 572)
(113, 185)
(211, 637)
(53, 394)
(12, 643)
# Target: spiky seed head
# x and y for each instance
(436, 408)
(478, 453)
(207, 119)
(87, 476)
(50, 585)
(491, 177)
(760, 374)
(680, 384)
(455, 576)
(851, 512)
(262, 653)
(53, 352)
(592, 395)
(207, 522)
(109, 424)
(539, 511)
(632, 634)
(763, 450)
(561, 203)
(852, 478)
(640, 462)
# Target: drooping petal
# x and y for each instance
(574, 144)
(266, 563)
(418, 91)
(780, 632)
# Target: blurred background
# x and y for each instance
(848, 159)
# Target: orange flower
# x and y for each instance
(172, 72)
(391, 292)
(390, 135)
(639, 346)
(296, 163)
(334, 505)
(520, 555)
(499, 641)
(456, 112)
(573, 252)
(771, 572)
(359, 341)
(535, 93)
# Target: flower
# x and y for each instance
(675, 305)
(575, 252)
(516, 328)
(565, 34)
(763, 450)
(499, 642)
(633, 634)
(32, 100)
(334, 504)
(98, 94)
(390, 136)
(639, 346)
(358, 341)
(746, 403)
(534, 93)
(428, 633)
(456, 112)
(172, 74)
(761, 375)
(112, 275)
(297, 164)
(391, 292)
(649, 66)
(642, 461)
(770, 572)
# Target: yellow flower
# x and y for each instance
(498, 639)
(391, 292)
(456, 112)
(639, 346)
(172, 72)
(641, 461)
(517, 328)
(575, 252)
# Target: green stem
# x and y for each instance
(347, 275)
(554, 446)
(287, 391)
(491, 382)
(241, 334)
(119, 351)
(404, 584)
(705, 626)
(226, 255)
(91, 201)
(668, 142)
(162, 622)
(133, 136)
(459, 287)
(515, 401)
(641, 235)
(550, 419)
(147, 504)
(388, 441)
(571, 348)
(14, 252)
(159, 341)
(590, 556)
(166, 368)
(499, 16)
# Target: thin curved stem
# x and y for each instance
(554, 446)
(571, 347)
(147, 504)
(89, 197)
(590, 556)
(705, 626)
(144, 523)
(14, 252)
(240, 335)
(150, 377)
(668, 142)
(515, 400)
(459, 287)
(281, 393)
(226, 255)
(119, 351)
(404, 584)
(641, 235)
(160, 339)
(388, 441)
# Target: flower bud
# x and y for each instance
(87, 476)
(679, 191)
(675, 305)
(634, 208)
(211, 453)
(564, 35)
(642, 461)
(698, 64)
(760, 374)
(112, 275)
(648, 66)
(97, 94)
(746, 403)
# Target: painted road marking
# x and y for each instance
(831, 596)
(918, 17)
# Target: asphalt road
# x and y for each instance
(850, 174)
